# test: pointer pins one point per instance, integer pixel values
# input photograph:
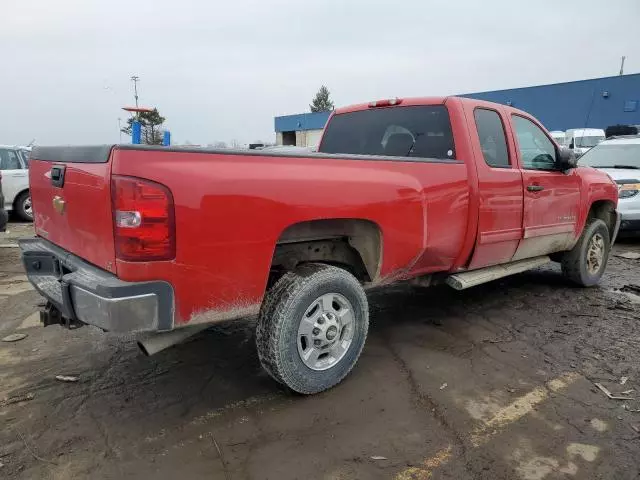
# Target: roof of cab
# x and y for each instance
(404, 102)
(417, 101)
(585, 132)
(627, 140)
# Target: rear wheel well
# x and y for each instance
(352, 244)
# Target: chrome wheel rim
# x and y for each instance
(26, 206)
(595, 254)
(326, 331)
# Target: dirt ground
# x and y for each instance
(490, 383)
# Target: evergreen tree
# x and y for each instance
(322, 102)
(151, 123)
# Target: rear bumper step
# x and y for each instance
(85, 293)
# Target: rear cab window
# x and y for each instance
(491, 135)
(411, 131)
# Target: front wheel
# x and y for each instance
(585, 263)
(312, 327)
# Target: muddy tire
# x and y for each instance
(312, 327)
(586, 262)
(23, 207)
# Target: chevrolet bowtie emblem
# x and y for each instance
(58, 204)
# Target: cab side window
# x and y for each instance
(536, 150)
(492, 138)
(9, 160)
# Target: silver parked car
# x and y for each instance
(620, 158)
(14, 164)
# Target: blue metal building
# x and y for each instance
(301, 121)
(303, 129)
(594, 103)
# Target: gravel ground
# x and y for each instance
(490, 383)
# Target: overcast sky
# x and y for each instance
(221, 70)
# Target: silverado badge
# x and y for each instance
(58, 204)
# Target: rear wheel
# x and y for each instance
(586, 262)
(312, 327)
(23, 206)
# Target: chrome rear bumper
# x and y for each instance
(84, 293)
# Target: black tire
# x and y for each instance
(21, 209)
(574, 262)
(280, 317)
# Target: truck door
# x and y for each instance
(551, 197)
(499, 187)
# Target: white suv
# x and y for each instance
(620, 158)
(14, 164)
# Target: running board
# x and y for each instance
(463, 280)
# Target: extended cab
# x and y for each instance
(168, 241)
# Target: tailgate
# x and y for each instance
(71, 197)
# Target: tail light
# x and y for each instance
(143, 220)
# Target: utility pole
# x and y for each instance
(135, 79)
(622, 65)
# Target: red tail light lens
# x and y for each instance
(143, 220)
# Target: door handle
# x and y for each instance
(57, 175)
(535, 188)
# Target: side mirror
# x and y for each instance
(571, 145)
(566, 159)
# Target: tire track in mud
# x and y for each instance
(429, 405)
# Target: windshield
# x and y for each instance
(588, 142)
(420, 131)
(610, 155)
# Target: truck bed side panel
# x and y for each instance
(231, 210)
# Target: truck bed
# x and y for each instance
(233, 207)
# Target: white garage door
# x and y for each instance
(313, 138)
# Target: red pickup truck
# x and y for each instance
(168, 241)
